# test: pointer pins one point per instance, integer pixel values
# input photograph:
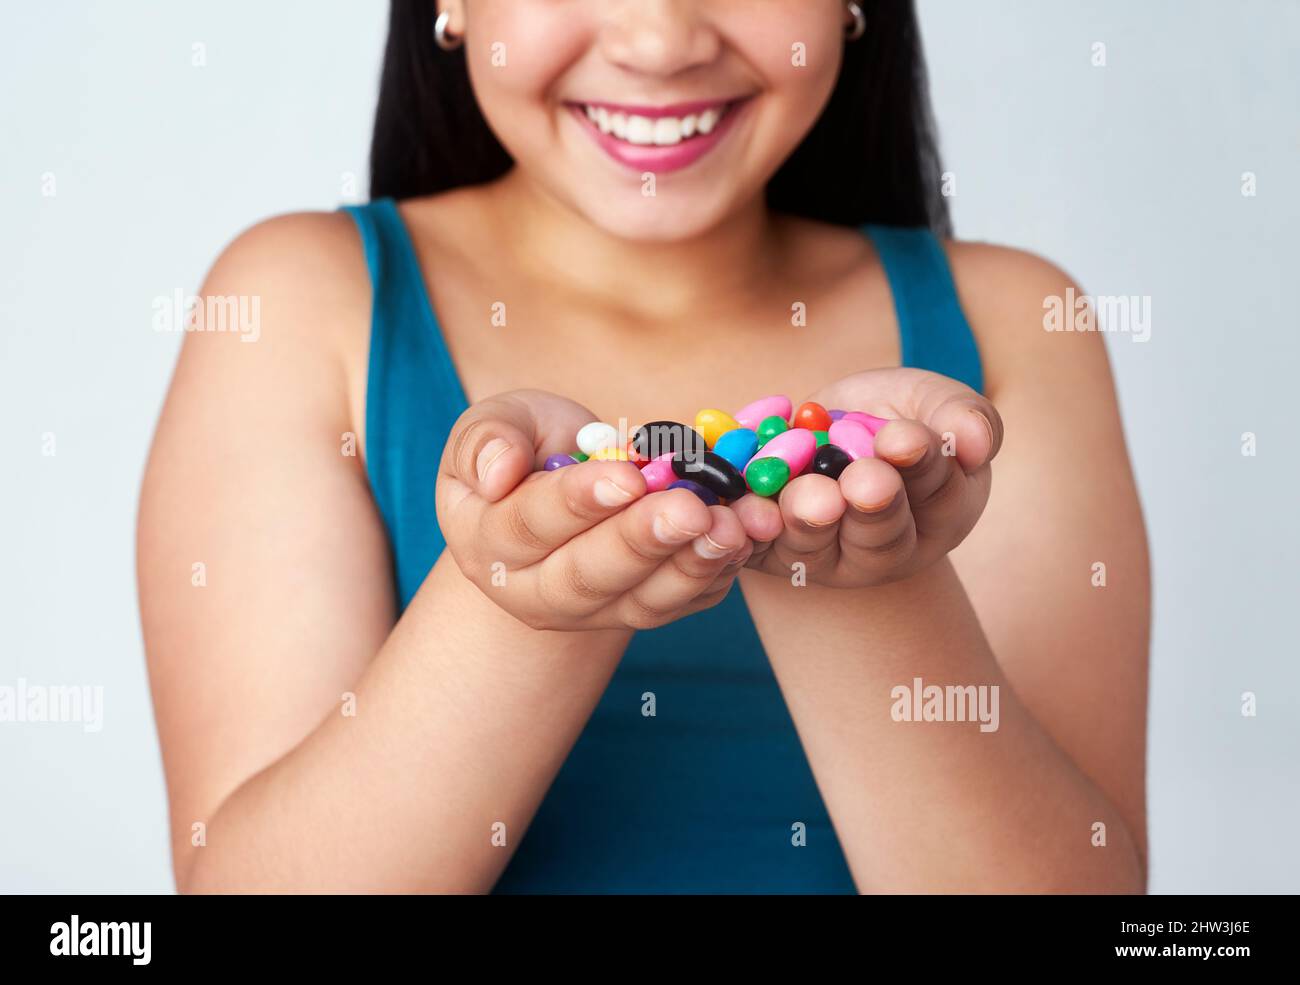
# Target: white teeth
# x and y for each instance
(662, 131)
(668, 131)
(640, 130)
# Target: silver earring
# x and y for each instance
(859, 25)
(443, 38)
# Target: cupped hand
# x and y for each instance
(890, 516)
(582, 547)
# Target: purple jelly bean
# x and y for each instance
(558, 462)
(837, 414)
(709, 497)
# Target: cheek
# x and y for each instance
(515, 51)
(799, 59)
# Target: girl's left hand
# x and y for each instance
(890, 516)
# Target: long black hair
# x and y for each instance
(871, 157)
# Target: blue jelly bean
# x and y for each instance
(709, 497)
(558, 462)
(737, 447)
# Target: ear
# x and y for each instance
(457, 10)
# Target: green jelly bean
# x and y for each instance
(580, 456)
(767, 476)
(769, 428)
(823, 438)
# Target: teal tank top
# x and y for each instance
(713, 793)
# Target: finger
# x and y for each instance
(551, 508)
(877, 527)
(492, 448)
(688, 574)
(916, 452)
(974, 424)
(811, 507)
(500, 440)
(760, 516)
(598, 566)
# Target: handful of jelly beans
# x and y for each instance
(723, 456)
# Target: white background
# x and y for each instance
(1129, 175)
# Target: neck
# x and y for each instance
(654, 280)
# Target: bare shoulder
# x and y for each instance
(307, 263)
(1007, 295)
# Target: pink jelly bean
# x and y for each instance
(853, 437)
(658, 474)
(751, 415)
(795, 447)
(868, 421)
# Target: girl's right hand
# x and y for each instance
(583, 547)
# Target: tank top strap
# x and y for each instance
(933, 331)
(413, 393)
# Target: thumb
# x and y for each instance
(492, 447)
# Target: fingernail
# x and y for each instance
(669, 533)
(493, 450)
(709, 549)
(877, 507)
(911, 458)
(610, 493)
(988, 427)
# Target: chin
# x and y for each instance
(657, 220)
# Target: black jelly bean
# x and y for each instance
(713, 472)
(830, 460)
(665, 437)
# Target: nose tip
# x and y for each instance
(658, 37)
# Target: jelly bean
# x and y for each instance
(610, 455)
(830, 460)
(660, 438)
(811, 415)
(713, 472)
(767, 476)
(558, 462)
(853, 438)
(708, 495)
(874, 423)
(751, 415)
(579, 456)
(596, 436)
(713, 424)
(868, 421)
(737, 446)
(836, 414)
(658, 474)
(823, 437)
(795, 447)
(769, 428)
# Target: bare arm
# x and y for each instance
(937, 806)
(317, 745)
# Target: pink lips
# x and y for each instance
(650, 157)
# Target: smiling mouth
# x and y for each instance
(658, 130)
(658, 138)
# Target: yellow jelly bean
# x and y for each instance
(610, 455)
(713, 424)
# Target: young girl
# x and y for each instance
(388, 653)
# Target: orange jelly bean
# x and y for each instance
(812, 416)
